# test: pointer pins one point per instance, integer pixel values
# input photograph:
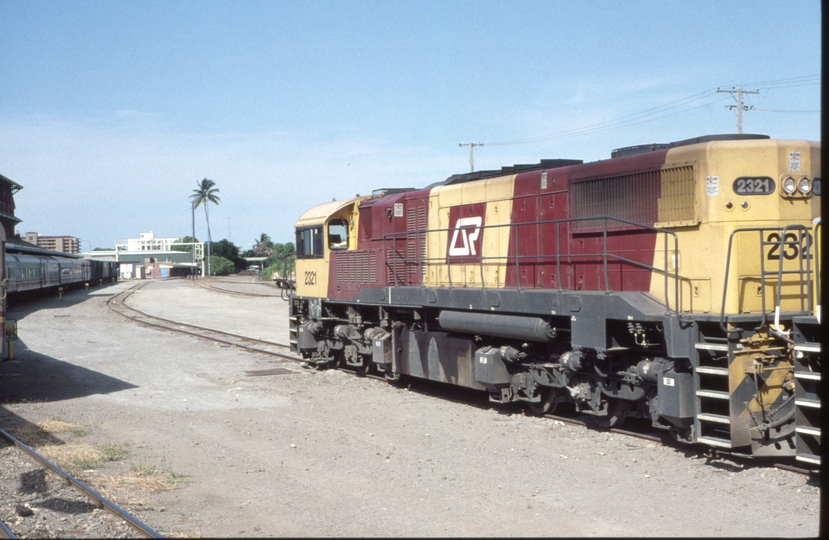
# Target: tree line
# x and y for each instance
(226, 257)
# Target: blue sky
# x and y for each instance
(112, 111)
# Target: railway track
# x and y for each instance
(701, 450)
(118, 305)
(637, 431)
(210, 285)
(97, 499)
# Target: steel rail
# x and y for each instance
(617, 431)
(229, 334)
(5, 532)
(751, 459)
(699, 447)
(86, 490)
(199, 331)
(449, 393)
(797, 470)
(563, 419)
(209, 287)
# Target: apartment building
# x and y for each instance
(63, 244)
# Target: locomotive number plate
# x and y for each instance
(753, 185)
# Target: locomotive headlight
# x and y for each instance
(804, 186)
(789, 185)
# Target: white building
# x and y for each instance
(135, 253)
(145, 242)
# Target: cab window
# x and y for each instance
(309, 243)
(337, 234)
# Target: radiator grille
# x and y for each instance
(676, 203)
(396, 275)
(416, 221)
(356, 267)
(631, 197)
(665, 196)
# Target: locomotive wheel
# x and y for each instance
(547, 403)
(615, 415)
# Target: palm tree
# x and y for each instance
(206, 194)
(263, 245)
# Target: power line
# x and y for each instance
(625, 121)
(804, 80)
(650, 115)
(786, 111)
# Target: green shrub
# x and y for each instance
(219, 266)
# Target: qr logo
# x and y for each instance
(464, 236)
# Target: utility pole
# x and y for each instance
(739, 106)
(471, 146)
(193, 247)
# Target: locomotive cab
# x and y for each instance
(326, 228)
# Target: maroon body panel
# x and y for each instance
(391, 246)
(391, 240)
(569, 254)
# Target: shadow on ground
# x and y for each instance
(15, 425)
(36, 377)
(18, 305)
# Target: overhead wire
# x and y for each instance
(787, 111)
(654, 113)
(628, 120)
(792, 82)
(804, 80)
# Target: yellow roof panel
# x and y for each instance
(318, 214)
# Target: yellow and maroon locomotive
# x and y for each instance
(675, 282)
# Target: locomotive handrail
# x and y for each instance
(398, 257)
(780, 272)
(817, 232)
(800, 259)
(286, 284)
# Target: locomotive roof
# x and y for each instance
(318, 214)
(511, 169)
(617, 153)
(653, 147)
(321, 212)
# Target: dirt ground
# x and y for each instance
(324, 453)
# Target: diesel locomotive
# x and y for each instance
(677, 283)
